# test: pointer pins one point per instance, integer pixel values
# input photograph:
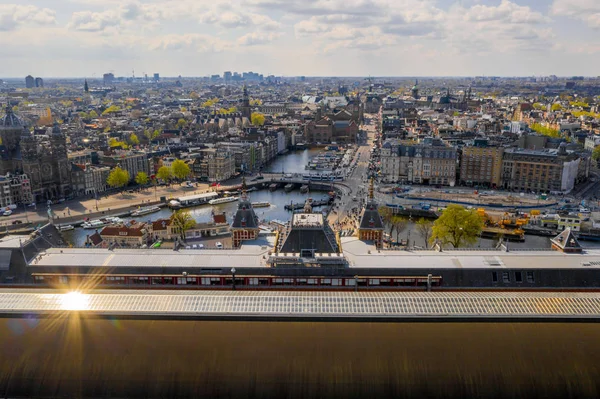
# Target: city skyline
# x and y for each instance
(316, 38)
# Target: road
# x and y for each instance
(347, 209)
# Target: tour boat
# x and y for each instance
(94, 224)
(145, 211)
(66, 228)
(223, 200)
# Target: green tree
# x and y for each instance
(84, 115)
(596, 153)
(181, 170)
(556, 107)
(539, 106)
(141, 178)
(133, 139)
(164, 173)
(257, 119)
(457, 226)
(118, 178)
(181, 123)
(424, 229)
(113, 143)
(546, 131)
(182, 221)
(93, 114)
(110, 110)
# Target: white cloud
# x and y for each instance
(257, 38)
(585, 10)
(191, 41)
(13, 15)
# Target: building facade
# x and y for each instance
(539, 171)
(481, 165)
(431, 162)
(15, 190)
(131, 161)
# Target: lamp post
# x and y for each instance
(233, 278)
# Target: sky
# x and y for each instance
(86, 38)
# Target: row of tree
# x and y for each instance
(456, 226)
(119, 177)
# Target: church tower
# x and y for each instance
(246, 112)
(245, 222)
(371, 225)
(415, 90)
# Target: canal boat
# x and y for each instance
(516, 235)
(288, 187)
(192, 200)
(304, 188)
(261, 204)
(145, 211)
(66, 228)
(273, 187)
(94, 224)
(223, 200)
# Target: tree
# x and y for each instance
(423, 228)
(596, 153)
(133, 139)
(399, 224)
(93, 114)
(546, 131)
(118, 178)
(556, 107)
(182, 221)
(111, 109)
(141, 178)
(181, 170)
(457, 226)
(164, 173)
(113, 143)
(257, 119)
(181, 123)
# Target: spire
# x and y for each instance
(244, 189)
(307, 206)
(86, 87)
(371, 190)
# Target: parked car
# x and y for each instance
(17, 222)
(7, 213)
(219, 245)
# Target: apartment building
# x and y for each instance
(15, 190)
(481, 165)
(553, 171)
(131, 161)
(430, 162)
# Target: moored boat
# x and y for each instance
(223, 200)
(145, 211)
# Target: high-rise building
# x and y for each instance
(29, 82)
(39, 82)
(156, 77)
(227, 76)
(108, 78)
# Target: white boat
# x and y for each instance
(94, 224)
(223, 200)
(66, 228)
(174, 204)
(261, 204)
(145, 211)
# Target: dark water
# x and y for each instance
(293, 162)
(278, 199)
(72, 356)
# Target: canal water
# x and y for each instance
(293, 162)
(278, 199)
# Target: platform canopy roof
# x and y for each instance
(393, 306)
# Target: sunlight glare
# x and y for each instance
(74, 301)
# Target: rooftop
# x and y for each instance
(395, 306)
(307, 220)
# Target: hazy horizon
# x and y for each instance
(317, 38)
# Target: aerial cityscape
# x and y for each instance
(272, 199)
